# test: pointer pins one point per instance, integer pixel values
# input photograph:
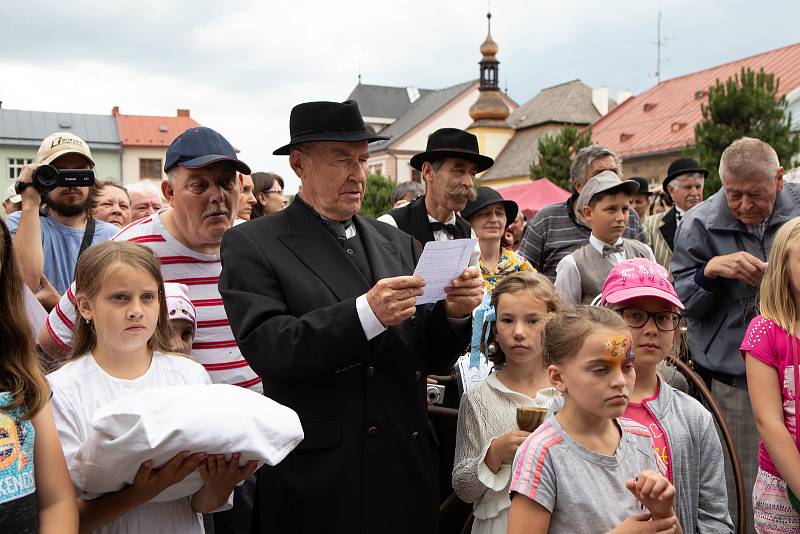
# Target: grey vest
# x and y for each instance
(594, 268)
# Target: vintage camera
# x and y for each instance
(46, 178)
(435, 393)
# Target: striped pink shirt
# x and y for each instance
(214, 345)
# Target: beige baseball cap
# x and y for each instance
(601, 183)
(60, 143)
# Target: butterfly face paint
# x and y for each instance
(617, 349)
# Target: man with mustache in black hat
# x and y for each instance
(449, 165)
(684, 184)
(323, 303)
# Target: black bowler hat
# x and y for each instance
(327, 121)
(486, 197)
(452, 143)
(644, 185)
(198, 147)
(682, 166)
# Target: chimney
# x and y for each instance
(183, 113)
(600, 99)
(115, 111)
(622, 96)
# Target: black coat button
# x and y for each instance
(350, 251)
(372, 431)
(417, 375)
(414, 435)
(370, 371)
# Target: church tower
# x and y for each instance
(489, 112)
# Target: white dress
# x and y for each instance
(80, 387)
(488, 411)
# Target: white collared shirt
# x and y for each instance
(568, 277)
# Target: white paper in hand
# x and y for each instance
(441, 261)
(159, 423)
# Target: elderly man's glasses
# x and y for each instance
(666, 321)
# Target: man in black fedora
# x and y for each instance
(449, 165)
(322, 302)
(684, 185)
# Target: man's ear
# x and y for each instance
(297, 163)
(427, 172)
(556, 378)
(168, 191)
(84, 307)
(779, 180)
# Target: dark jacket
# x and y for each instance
(367, 463)
(719, 310)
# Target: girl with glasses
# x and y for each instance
(683, 430)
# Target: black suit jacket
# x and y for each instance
(413, 219)
(669, 225)
(367, 463)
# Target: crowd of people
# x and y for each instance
(581, 422)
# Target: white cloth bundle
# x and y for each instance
(156, 424)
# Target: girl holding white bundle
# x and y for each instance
(122, 346)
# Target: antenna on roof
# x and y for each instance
(659, 43)
(506, 89)
(359, 78)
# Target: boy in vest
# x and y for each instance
(604, 205)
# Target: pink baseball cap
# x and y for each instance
(638, 278)
(178, 304)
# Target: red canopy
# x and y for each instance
(533, 196)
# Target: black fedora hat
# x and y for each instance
(327, 121)
(486, 197)
(644, 185)
(682, 166)
(452, 143)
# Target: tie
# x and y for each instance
(338, 228)
(449, 228)
(678, 215)
(608, 250)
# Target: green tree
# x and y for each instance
(747, 104)
(377, 196)
(556, 153)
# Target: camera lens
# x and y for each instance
(45, 178)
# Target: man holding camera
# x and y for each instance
(48, 242)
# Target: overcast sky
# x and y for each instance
(240, 65)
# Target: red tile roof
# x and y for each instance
(663, 117)
(146, 130)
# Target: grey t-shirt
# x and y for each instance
(583, 490)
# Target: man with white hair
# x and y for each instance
(684, 184)
(145, 199)
(721, 248)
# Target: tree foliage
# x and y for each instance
(556, 153)
(748, 104)
(377, 196)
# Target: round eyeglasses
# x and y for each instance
(666, 321)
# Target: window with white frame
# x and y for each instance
(15, 166)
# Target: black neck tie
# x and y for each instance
(608, 250)
(449, 228)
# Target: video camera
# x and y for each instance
(46, 178)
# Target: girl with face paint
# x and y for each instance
(587, 469)
(488, 435)
(683, 431)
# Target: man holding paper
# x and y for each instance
(323, 303)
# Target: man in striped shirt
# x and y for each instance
(557, 229)
(203, 191)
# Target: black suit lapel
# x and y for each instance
(419, 221)
(384, 258)
(316, 247)
(669, 225)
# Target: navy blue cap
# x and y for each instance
(198, 147)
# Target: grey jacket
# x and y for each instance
(718, 311)
(698, 469)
